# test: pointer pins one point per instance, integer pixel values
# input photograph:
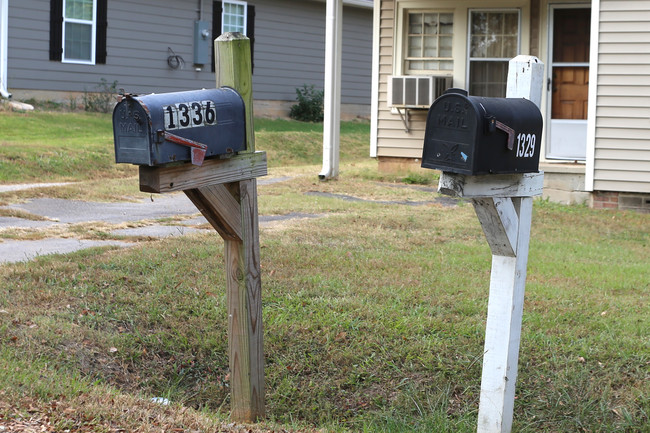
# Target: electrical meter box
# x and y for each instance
(478, 135)
(202, 42)
(163, 128)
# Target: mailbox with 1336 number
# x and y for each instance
(158, 129)
(478, 135)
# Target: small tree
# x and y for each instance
(310, 105)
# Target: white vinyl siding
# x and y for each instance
(622, 143)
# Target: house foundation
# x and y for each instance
(563, 183)
(272, 109)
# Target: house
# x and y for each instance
(596, 144)
(57, 49)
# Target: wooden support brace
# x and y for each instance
(220, 208)
(500, 224)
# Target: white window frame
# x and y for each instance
(469, 39)
(400, 29)
(93, 35)
(223, 13)
(405, 39)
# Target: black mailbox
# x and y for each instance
(182, 126)
(476, 135)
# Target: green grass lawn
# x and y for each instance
(374, 315)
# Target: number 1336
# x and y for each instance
(190, 114)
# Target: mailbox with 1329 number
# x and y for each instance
(478, 135)
(158, 129)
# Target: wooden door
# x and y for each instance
(570, 92)
(569, 86)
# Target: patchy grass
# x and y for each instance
(374, 318)
(57, 147)
(374, 314)
(78, 147)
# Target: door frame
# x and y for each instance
(549, 73)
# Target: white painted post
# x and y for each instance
(506, 220)
(4, 25)
(332, 92)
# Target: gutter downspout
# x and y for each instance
(4, 25)
(332, 99)
(374, 98)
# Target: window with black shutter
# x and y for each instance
(233, 16)
(78, 31)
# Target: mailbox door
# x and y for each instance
(132, 133)
(451, 131)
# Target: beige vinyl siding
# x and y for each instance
(622, 146)
(392, 139)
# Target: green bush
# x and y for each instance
(100, 101)
(310, 105)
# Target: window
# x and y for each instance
(78, 31)
(493, 41)
(233, 17)
(429, 42)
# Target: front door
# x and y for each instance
(568, 84)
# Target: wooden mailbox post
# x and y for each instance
(225, 191)
(504, 205)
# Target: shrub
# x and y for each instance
(310, 105)
(100, 101)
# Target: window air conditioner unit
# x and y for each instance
(415, 91)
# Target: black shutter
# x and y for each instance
(250, 32)
(100, 37)
(217, 10)
(56, 29)
(216, 26)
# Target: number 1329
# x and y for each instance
(526, 145)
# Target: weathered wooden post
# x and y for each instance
(503, 204)
(223, 188)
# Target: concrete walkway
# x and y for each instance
(58, 213)
(61, 213)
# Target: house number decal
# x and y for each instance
(190, 114)
(526, 145)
